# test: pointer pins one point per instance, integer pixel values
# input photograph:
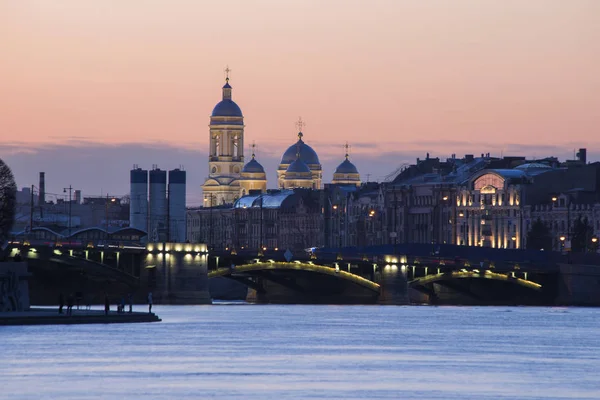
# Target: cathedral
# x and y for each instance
(230, 177)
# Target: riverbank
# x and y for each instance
(50, 316)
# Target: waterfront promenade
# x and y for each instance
(50, 316)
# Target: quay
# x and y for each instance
(50, 316)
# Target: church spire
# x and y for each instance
(227, 87)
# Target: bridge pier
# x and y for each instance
(578, 285)
(176, 273)
(394, 285)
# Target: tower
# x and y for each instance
(226, 151)
(346, 173)
(253, 176)
(138, 198)
(177, 221)
(303, 153)
(158, 204)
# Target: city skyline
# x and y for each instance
(100, 86)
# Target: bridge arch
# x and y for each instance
(447, 276)
(297, 266)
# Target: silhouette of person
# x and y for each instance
(106, 304)
(130, 301)
(70, 302)
(61, 302)
(150, 302)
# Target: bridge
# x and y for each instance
(96, 262)
(372, 276)
(403, 274)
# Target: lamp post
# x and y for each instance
(261, 247)
(210, 219)
(70, 189)
(463, 234)
(444, 236)
(439, 234)
(594, 244)
(394, 233)
(107, 203)
(568, 204)
(371, 223)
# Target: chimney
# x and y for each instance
(42, 196)
(78, 197)
(582, 156)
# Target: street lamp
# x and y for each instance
(594, 247)
(555, 200)
(210, 222)
(106, 205)
(464, 236)
(70, 189)
(338, 223)
(562, 243)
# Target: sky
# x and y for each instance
(90, 88)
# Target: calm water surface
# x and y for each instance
(311, 352)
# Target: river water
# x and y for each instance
(235, 351)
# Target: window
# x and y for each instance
(490, 181)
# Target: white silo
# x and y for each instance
(158, 205)
(177, 220)
(138, 198)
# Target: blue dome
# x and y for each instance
(307, 154)
(346, 167)
(298, 166)
(227, 108)
(253, 167)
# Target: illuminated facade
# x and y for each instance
(489, 211)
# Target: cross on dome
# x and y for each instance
(300, 125)
(227, 71)
(347, 147)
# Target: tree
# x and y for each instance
(8, 202)
(583, 232)
(539, 236)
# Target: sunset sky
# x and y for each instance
(89, 88)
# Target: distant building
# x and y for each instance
(277, 219)
(229, 178)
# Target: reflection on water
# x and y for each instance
(234, 351)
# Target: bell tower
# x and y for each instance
(226, 150)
